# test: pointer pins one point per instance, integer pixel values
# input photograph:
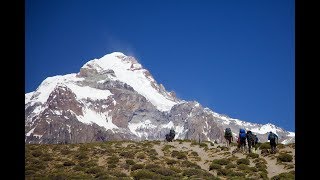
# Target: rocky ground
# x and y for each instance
(181, 159)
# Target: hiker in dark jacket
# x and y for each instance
(250, 140)
(170, 136)
(273, 141)
(228, 136)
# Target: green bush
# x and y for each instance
(94, 170)
(221, 161)
(223, 172)
(253, 155)
(202, 145)
(141, 155)
(68, 163)
(178, 154)
(167, 147)
(193, 153)
(261, 166)
(117, 173)
(81, 156)
(112, 160)
(264, 175)
(137, 166)
(127, 154)
(286, 176)
(144, 174)
(171, 161)
(230, 165)
(265, 145)
(236, 174)
(192, 172)
(163, 171)
(152, 152)
(130, 162)
(214, 166)
(284, 157)
(189, 164)
(243, 167)
(37, 153)
(243, 161)
(78, 168)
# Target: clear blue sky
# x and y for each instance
(235, 57)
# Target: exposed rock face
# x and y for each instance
(114, 98)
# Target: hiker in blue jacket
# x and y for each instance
(242, 139)
(273, 141)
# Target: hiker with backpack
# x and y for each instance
(170, 136)
(242, 139)
(273, 141)
(250, 140)
(228, 136)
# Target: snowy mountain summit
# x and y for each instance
(114, 98)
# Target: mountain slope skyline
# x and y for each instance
(114, 97)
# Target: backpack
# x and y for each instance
(243, 136)
(172, 132)
(242, 131)
(228, 133)
(272, 136)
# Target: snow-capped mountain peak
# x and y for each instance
(127, 69)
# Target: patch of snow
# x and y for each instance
(265, 129)
(169, 125)
(38, 136)
(27, 97)
(292, 134)
(88, 92)
(179, 130)
(101, 119)
(133, 127)
(31, 131)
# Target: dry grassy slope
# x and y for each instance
(154, 159)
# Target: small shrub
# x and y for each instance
(230, 165)
(261, 166)
(243, 161)
(130, 162)
(78, 168)
(171, 161)
(141, 155)
(193, 153)
(192, 172)
(190, 164)
(81, 156)
(144, 174)
(167, 147)
(163, 171)
(178, 154)
(94, 170)
(243, 167)
(37, 153)
(113, 160)
(127, 154)
(253, 155)
(264, 175)
(117, 173)
(286, 175)
(221, 161)
(236, 174)
(68, 163)
(175, 169)
(137, 166)
(214, 166)
(283, 157)
(265, 145)
(202, 145)
(223, 172)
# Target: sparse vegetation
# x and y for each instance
(151, 159)
(284, 157)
